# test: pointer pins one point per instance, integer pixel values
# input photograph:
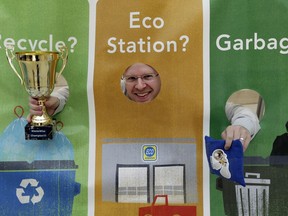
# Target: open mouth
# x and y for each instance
(143, 96)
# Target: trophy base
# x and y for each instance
(38, 132)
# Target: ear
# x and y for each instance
(123, 88)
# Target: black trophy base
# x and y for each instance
(38, 132)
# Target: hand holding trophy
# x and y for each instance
(38, 74)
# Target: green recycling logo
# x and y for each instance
(25, 199)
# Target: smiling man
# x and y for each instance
(142, 82)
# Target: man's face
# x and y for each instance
(142, 83)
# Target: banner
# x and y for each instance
(44, 26)
(140, 134)
(146, 82)
(248, 51)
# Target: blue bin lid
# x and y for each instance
(36, 165)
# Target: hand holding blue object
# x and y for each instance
(225, 163)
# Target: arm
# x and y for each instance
(55, 103)
(61, 92)
(244, 125)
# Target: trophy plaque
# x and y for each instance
(38, 75)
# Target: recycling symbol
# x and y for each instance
(25, 184)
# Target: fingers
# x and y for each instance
(35, 109)
(234, 132)
(51, 104)
(245, 142)
(228, 136)
(29, 118)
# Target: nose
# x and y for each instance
(140, 84)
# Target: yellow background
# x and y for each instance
(177, 112)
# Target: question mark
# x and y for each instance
(74, 42)
(186, 40)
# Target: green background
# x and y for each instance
(264, 71)
(36, 20)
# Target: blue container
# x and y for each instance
(40, 188)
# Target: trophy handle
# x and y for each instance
(10, 56)
(64, 57)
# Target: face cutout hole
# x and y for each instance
(140, 83)
(250, 99)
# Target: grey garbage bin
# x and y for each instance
(253, 199)
(264, 194)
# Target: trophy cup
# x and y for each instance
(38, 70)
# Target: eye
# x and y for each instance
(148, 76)
(131, 79)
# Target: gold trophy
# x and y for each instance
(38, 70)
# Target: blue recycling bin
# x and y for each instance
(37, 177)
(42, 188)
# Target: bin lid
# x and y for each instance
(36, 165)
(272, 160)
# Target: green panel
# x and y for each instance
(30, 23)
(261, 66)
